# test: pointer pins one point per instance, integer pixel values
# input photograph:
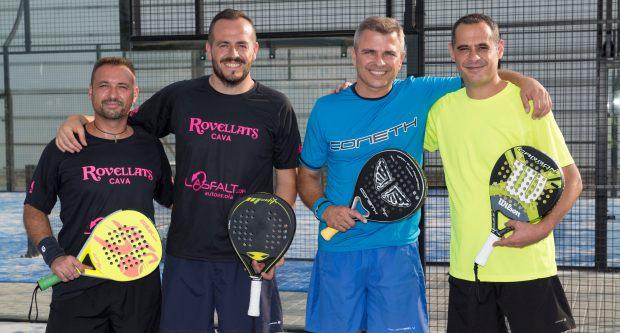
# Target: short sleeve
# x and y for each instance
(154, 115)
(43, 189)
(314, 152)
(163, 191)
(431, 143)
(437, 87)
(287, 140)
(549, 138)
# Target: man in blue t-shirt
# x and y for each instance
(369, 275)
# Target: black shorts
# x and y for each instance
(130, 307)
(529, 306)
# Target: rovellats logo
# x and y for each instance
(212, 188)
(221, 131)
(114, 175)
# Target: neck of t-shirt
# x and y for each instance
(246, 85)
(487, 90)
(379, 96)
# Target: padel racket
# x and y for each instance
(261, 227)
(525, 185)
(124, 246)
(390, 187)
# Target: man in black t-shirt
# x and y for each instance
(121, 168)
(231, 132)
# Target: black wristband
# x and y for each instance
(50, 249)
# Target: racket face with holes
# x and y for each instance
(261, 227)
(525, 184)
(124, 246)
(391, 186)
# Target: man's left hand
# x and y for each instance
(523, 234)
(532, 90)
(258, 266)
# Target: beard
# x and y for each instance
(112, 114)
(231, 81)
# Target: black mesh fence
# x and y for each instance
(569, 46)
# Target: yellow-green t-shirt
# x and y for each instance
(471, 135)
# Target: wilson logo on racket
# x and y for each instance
(508, 206)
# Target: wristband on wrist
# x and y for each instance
(50, 249)
(319, 207)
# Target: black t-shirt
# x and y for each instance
(226, 147)
(103, 178)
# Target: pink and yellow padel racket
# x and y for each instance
(124, 246)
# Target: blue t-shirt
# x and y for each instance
(345, 130)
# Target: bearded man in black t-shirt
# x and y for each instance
(121, 168)
(231, 132)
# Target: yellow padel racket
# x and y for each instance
(124, 246)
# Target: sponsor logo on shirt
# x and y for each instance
(221, 131)
(373, 138)
(114, 175)
(213, 188)
(31, 188)
(92, 225)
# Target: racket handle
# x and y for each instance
(254, 309)
(48, 281)
(485, 252)
(328, 233)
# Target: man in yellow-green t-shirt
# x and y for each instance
(471, 128)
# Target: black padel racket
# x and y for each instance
(525, 185)
(390, 187)
(261, 227)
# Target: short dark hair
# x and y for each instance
(476, 18)
(114, 61)
(382, 25)
(229, 14)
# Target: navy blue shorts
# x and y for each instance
(381, 290)
(194, 289)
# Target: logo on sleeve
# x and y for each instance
(212, 188)
(221, 131)
(31, 188)
(115, 175)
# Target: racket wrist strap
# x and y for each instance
(50, 249)
(319, 207)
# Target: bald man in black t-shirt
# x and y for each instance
(121, 168)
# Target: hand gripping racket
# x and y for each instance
(525, 185)
(124, 246)
(390, 187)
(261, 227)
